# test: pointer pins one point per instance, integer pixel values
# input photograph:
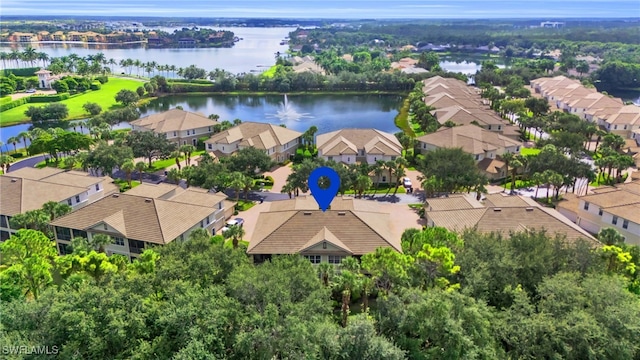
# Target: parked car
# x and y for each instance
(406, 182)
(232, 222)
(30, 91)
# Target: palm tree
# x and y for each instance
(174, 175)
(128, 167)
(362, 184)
(507, 157)
(347, 282)
(378, 169)
(111, 62)
(5, 163)
(14, 140)
(141, 166)
(15, 56)
(237, 182)
(537, 179)
(325, 272)
(138, 64)
(44, 57)
(4, 57)
(248, 184)
(25, 135)
(55, 209)
(99, 241)
(187, 150)
(515, 165)
(235, 233)
(176, 155)
(390, 165)
(610, 236)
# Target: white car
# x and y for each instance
(232, 222)
(406, 182)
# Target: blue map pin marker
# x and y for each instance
(324, 196)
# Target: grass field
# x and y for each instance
(105, 97)
(529, 151)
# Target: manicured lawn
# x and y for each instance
(105, 97)
(124, 185)
(228, 244)
(244, 205)
(529, 151)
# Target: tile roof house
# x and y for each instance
(486, 146)
(278, 142)
(150, 215)
(499, 213)
(461, 116)
(351, 227)
(179, 126)
(617, 207)
(358, 145)
(28, 189)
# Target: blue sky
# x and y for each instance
(328, 8)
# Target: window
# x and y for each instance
(330, 158)
(209, 129)
(477, 157)
(615, 127)
(104, 226)
(175, 133)
(79, 233)
(335, 259)
(315, 259)
(499, 127)
(65, 249)
(223, 148)
(586, 206)
(63, 233)
(614, 221)
(97, 187)
(118, 241)
(3, 221)
(599, 212)
(136, 246)
(69, 202)
(324, 244)
(77, 198)
(625, 224)
(393, 158)
(384, 179)
(209, 146)
(348, 159)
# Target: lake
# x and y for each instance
(327, 112)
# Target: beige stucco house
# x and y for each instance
(352, 227)
(179, 126)
(28, 189)
(617, 207)
(278, 142)
(148, 215)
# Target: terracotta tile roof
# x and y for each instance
(504, 200)
(20, 195)
(290, 226)
(629, 212)
(472, 139)
(139, 218)
(452, 202)
(191, 195)
(349, 141)
(259, 135)
(491, 166)
(174, 120)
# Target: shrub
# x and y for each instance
(186, 88)
(5, 100)
(102, 79)
(48, 98)
(307, 154)
(95, 85)
(14, 103)
(17, 155)
(200, 144)
(194, 81)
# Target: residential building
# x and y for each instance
(351, 146)
(146, 216)
(624, 122)
(485, 146)
(179, 126)
(499, 213)
(617, 207)
(28, 189)
(474, 116)
(278, 142)
(351, 227)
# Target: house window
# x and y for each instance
(77, 198)
(136, 246)
(333, 259)
(330, 158)
(118, 241)
(97, 187)
(586, 206)
(384, 179)
(362, 152)
(599, 212)
(348, 159)
(324, 244)
(209, 129)
(175, 133)
(517, 148)
(477, 157)
(3, 221)
(424, 146)
(69, 202)
(223, 148)
(393, 158)
(499, 127)
(63, 233)
(615, 127)
(625, 224)
(315, 259)
(614, 221)
(209, 146)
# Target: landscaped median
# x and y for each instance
(105, 97)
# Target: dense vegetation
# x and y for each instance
(447, 297)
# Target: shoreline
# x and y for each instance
(73, 42)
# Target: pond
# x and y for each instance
(297, 112)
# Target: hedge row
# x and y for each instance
(48, 98)
(14, 103)
(186, 88)
(194, 81)
(21, 72)
(5, 100)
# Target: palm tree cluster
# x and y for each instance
(150, 67)
(29, 57)
(356, 177)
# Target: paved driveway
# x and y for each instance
(279, 176)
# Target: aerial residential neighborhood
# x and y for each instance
(353, 181)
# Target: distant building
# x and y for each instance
(552, 24)
(179, 126)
